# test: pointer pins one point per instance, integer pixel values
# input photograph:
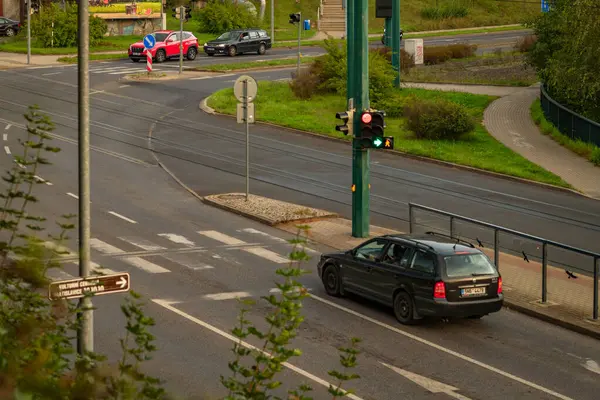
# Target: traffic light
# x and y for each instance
(295, 18)
(346, 118)
(188, 13)
(372, 126)
(176, 12)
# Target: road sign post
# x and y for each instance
(245, 89)
(96, 285)
(149, 43)
(395, 36)
(28, 2)
(181, 16)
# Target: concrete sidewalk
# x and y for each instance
(570, 301)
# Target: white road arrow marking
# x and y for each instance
(427, 383)
(591, 365)
(122, 282)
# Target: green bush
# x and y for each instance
(438, 54)
(595, 156)
(304, 85)
(525, 44)
(64, 32)
(407, 61)
(217, 17)
(437, 119)
(449, 11)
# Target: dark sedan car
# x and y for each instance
(238, 42)
(418, 275)
(8, 27)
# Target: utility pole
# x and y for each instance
(28, 31)
(395, 32)
(388, 32)
(299, 41)
(272, 21)
(358, 95)
(85, 334)
(181, 14)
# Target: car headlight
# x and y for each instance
(221, 45)
(204, 44)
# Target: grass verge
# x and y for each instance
(503, 69)
(254, 64)
(275, 103)
(94, 57)
(584, 149)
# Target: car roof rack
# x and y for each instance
(459, 240)
(411, 240)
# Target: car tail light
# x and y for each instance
(439, 290)
(500, 285)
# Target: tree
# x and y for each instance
(566, 54)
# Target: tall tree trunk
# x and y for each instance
(263, 7)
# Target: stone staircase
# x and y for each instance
(332, 18)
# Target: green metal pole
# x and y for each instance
(359, 74)
(350, 47)
(395, 32)
(388, 30)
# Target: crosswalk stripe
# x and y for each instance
(142, 243)
(221, 237)
(268, 254)
(226, 296)
(129, 71)
(56, 274)
(97, 269)
(107, 69)
(177, 239)
(135, 261)
(257, 232)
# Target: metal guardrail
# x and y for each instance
(569, 122)
(499, 229)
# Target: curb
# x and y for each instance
(204, 107)
(257, 218)
(553, 320)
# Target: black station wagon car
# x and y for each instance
(418, 275)
(238, 42)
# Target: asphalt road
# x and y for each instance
(138, 210)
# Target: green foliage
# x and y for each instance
(437, 119)
(566, 54)
(448, 11)
(525, 44)
(36, 352)
(438, 54)
(256, 379)
(64, 32)
(219, 17)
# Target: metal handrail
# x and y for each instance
(497, 229)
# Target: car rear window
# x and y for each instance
(459, 265)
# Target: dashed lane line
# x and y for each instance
(122, 217)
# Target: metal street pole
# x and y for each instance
(272, 21)
(299, 40)
(388, 31)
(28, 31)
(350, 35)
(181, 14)
(395, 32)
(85, 334)
(246, 117)
(358, 73)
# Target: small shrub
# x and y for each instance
(449, 11)
(64, 33)
(305, 84)
(407, 61)
(525, 44)
(437, 119)
(218, 17)
(438, 54)
(595, 156)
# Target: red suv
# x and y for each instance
(167, 46)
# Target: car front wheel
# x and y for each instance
(10, 32)
(332, 281)
(161, 56)
(232, 51)
(403, 308)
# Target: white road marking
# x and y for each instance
(200, 77)
(142, 243)
(184, 260)
(97, 269)
(52, 73)
(44, 67)
(267, 254)
(43, 180)
(106, 69)
(441, 348)
(64, 251)
(592, 365)
(7, 150)
(177, 239)
(138, 262)
(72, 195)
(7, 127)
(57, 274)
(123, 86)
(224, 75)
(128, 71)
(168, 306)
(226, 296)
(96, 91)
(277, 290)
(257, 232)
(122, 217)
(5, 136)
(221, 237)
(427, 383)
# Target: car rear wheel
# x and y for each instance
(332, 281)
(191, 54)
(161, 56)
(232, 51)
(403, 308)
(262, 49)
(10, 32)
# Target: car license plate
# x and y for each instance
(476, 291)
(210, 48)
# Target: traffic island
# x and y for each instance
(265, 210)
(163, 76)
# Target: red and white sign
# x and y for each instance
(148, 61)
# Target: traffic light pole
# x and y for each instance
(395, 34)
(28, 31)
(299, 42)
(358, 91)
(181, 16)
(388, 30)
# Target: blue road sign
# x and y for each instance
(545, 6)
(149, 41)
